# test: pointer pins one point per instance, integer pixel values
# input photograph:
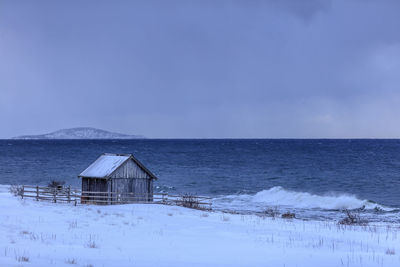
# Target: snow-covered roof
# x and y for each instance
(105, 165)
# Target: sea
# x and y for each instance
(317, 179)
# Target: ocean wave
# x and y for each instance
(164, 188)
(278, 196)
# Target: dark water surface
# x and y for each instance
(295, 173)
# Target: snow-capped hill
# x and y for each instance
(80, 133)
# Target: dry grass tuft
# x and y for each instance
(91, 243)
(22, 258)
(225, 218)
(71, 261)
(390, 251)
(73, 224)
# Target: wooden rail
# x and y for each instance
(54, 194)
(75, 196)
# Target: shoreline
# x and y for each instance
(339, 205)
(48, 234)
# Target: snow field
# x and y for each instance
(47, 234)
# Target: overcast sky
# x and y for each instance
(204, 69)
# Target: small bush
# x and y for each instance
(190, 201)
(352, 219)
(16, 190)
(56, 184)
(288, 215)
(271, 212)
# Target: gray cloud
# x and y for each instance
(201, 68)
(306, 9)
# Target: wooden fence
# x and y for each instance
(75, 196)
(64, 194)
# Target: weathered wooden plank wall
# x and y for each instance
(93, 185)
(128, 178)
(130, 170)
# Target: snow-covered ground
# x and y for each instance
(47, 234)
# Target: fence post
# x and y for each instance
(23, 189)
(69, 194)
(37, 193)
(55, 195)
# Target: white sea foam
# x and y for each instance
(278, 196)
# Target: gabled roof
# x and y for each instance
(107, 163)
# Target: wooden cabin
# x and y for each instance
(117, 178)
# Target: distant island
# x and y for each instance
(81, 133)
